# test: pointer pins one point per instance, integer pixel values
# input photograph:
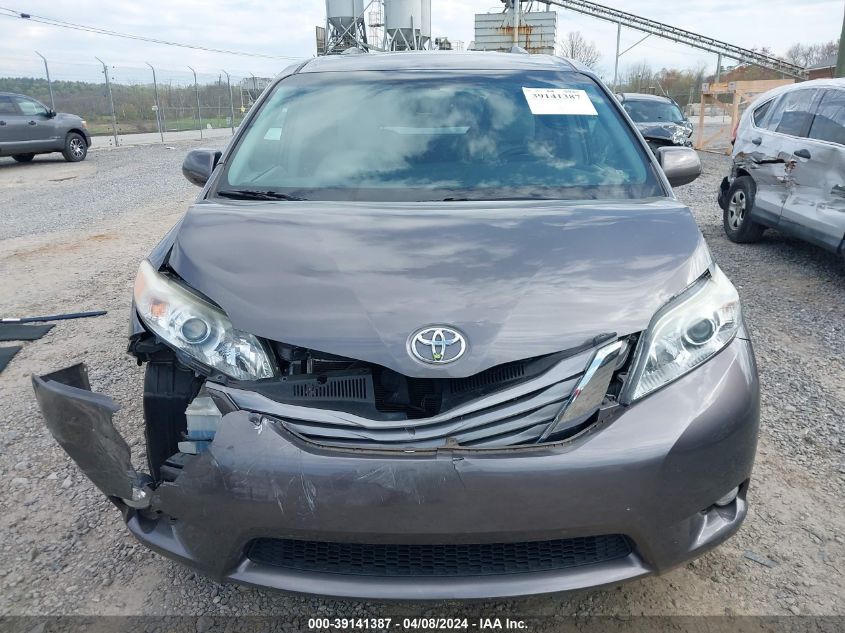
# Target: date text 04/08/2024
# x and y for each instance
(415, 624)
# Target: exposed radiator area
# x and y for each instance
(524, 413)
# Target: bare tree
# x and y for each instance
(810, 54)
(574, 46)
(637, 77)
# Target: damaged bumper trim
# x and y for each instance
(81, 422)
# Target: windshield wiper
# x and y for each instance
(253, 194)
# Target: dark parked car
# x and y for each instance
(789, 166)
(28, 127)
(435, 327)
(659, 119)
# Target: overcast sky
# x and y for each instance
(286, 28)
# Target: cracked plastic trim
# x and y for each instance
(81, 422)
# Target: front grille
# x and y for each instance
(505, 421)
(485, 559)
(500, 375)
(514, 408)
(331, 388)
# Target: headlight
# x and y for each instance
(201, 330)
(684, 333)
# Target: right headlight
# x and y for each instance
(684, 333)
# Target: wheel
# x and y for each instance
(168, 389)
(23, 158)
(739, 227)
(76, 149)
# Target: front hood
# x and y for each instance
(64, 116)
(519, 279)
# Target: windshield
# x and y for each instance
(416, 136)
(648, 111)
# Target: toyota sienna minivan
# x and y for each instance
(435, 327)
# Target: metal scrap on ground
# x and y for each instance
(53, 317)
(20, 332)
(758, 558)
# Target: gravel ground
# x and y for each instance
(71, 239)
(57, 196)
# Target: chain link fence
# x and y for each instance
(124, 100)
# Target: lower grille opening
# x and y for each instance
(485, 559)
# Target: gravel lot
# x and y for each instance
(71, 238)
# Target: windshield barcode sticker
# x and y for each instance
(559, 101)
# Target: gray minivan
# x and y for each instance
(436, 326)
(789, 166)
(28, 127)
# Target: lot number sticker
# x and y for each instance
(559, 101)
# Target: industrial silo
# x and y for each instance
(407, 24)
(425, 25)
(343, 14)
(345, 26)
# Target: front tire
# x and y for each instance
(23, 158)
(76, 149)
(736, 219)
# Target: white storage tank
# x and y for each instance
(425, 24)
(343, 14)
(407, 23)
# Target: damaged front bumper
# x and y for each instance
(240, 510)
(81, 422)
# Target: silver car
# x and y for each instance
(789, 166)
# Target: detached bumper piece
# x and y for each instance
(81, 422)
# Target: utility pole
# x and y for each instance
(111, 101)
(49, 83)
(616, 62)
(840, 61)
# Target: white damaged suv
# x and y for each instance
(789, 166)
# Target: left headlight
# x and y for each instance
(194, 326)
(683, 334)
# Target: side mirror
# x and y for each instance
(51, 114)
(680, 164)
(198, 165)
